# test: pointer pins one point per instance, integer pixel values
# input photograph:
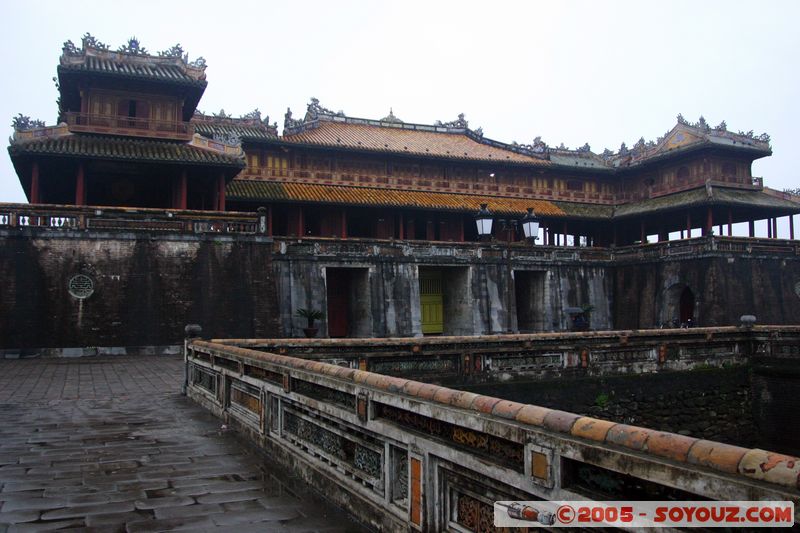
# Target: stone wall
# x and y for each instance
(708, 403)
(725, 287)
(146, 288)
(478, 285)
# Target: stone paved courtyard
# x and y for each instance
(109, 444)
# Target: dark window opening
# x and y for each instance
(573, 185)
(280, 220)
(729, 170)
(312, 221)
(687, 307)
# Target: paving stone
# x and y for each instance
(19, 517)
(45, 526)
(82, 455)
(116, 519)
(196, 523)
(167, 501)
(188, 510)
(86, 510)
(41, 504)
(228, 497)
(106, 497)
(266, 515)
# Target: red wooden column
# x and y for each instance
(460, 228)
(709, 221)
(615, 241)
(752, 227)
(769, 228)
(183, 188)
(80, 186)
(221, 193)
(301, 223)
(642, 235)
(401, 229)
(775, 228)
(791, 227)
(688, 225)
(35, 183)
(343, 223)
(730, 222)
(269, 220)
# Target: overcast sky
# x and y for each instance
(570, 71)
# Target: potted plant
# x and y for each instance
(311, 315)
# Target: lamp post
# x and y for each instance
(483, 221)
(530, 225)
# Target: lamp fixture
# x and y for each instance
(530, 225)
(483, 221)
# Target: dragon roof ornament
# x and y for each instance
(132, 50)
(460, 123)
(23, 123)
(314, 109)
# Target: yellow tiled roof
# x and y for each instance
(410, 141)
(377, 197)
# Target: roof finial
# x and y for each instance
(391, 118)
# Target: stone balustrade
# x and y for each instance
(403, 454)
(542, 355)
(59, 217)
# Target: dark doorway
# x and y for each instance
(349, 309)
(529, 292)
(687, 307)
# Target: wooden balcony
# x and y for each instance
(129, 126)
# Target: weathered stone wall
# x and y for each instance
(478, 286)
(708, 403)
(776, 401)
(725, 287)
(146, 288)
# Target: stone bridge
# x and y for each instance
(364, 421)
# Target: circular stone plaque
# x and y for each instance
(81, 286)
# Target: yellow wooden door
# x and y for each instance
(430, 297)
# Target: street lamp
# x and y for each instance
(530, 225)
(483, 220)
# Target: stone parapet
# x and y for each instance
(361, 433)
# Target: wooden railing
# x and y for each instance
(132, 126)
